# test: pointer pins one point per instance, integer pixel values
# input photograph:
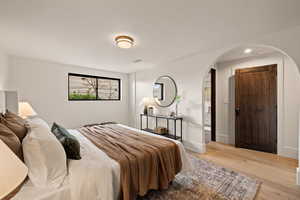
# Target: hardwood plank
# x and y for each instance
(277, 174)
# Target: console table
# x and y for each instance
(167, 118)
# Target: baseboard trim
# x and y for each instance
(298, 176)
(195, 147)
(222, 138)
(289, 152)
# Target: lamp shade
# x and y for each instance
(25, 110)
(12, 171)
(147, 101)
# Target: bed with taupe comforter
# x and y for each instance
(118, 162)
(146, 162)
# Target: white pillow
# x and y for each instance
(44, 156)
(36, 121)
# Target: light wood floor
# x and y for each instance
(277, 174)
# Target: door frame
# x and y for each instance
(274, 117)
(213, 104)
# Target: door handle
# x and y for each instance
(237, 111)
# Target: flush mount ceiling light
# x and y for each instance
(247, 51)
(124, 42)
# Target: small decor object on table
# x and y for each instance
(156, 111)
(147, 101)
(161, 130)
(177, 100)
(150, 110)
(172, 114)
(145, 110)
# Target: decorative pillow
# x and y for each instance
(69, 142)
(11, 140)
(44, 156)
(15, 123)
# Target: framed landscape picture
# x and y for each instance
(85, 87)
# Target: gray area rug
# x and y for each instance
(207, 181)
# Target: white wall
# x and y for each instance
(45, 86)
(132, 100)
(290, 144)
(144, 82)
(3, 70)
(207, 107)
(298, 169)
(187, 74)
(3, 79)
(288, 101)
(189, 71)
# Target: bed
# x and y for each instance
(95, 176)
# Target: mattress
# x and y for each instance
(95, 168)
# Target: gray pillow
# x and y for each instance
(68, 141)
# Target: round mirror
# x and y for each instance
(164, 91)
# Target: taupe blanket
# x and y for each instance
(146, 162)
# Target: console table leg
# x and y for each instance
(181, 130)
(168, 125)
(147, 122)
(175, 129)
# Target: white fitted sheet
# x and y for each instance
(95, 176)
(30, 192)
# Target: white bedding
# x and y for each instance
(94, 177)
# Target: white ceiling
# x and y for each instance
(238, 53)
(81, 32)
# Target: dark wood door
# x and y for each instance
(256, 108)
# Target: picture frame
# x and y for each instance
(158, 92)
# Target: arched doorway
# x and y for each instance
(246, 56)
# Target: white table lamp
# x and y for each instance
(147, 101)
(12, 171)
(25, 110)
